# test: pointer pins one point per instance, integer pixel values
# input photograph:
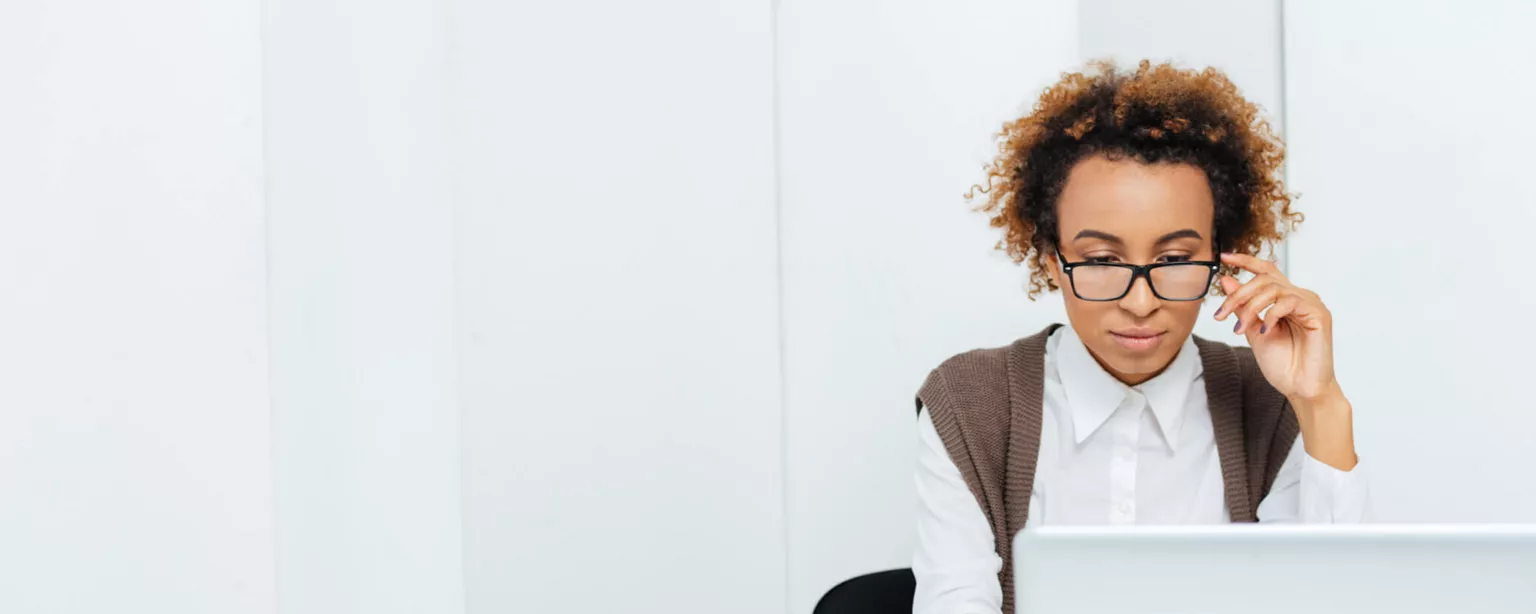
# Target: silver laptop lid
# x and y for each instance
(1280, 569)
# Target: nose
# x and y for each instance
(1140, 301)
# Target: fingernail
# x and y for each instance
(1263, 328)
(1236, 324)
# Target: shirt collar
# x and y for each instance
(1168, 393)
(1093, 394)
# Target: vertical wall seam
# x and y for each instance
(1285, 129)
(263, 81)
(778, 225)
(448, 142)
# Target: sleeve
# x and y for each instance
(1309, 491)
(956, 563)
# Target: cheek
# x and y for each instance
(1087, 316)
(1185, 312)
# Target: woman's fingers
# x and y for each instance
(1248, 313)
(1252, 264)
(1241, 294)
(1283, 307)
(1269, 289)
(1229, 284)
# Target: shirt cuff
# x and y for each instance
(1330, 495)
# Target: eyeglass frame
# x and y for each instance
(1138, 271)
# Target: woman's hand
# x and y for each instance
(1294, 340)
(1293, 343)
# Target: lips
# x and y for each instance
(1138, 339)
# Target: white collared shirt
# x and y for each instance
(1109, 454)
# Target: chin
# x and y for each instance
(1135, 361)
(1140, 365)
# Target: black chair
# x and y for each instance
(887, 592)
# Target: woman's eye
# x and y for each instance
(1100, 259)
(1174, 259)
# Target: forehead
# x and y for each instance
(1134, 200)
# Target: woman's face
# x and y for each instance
(1129, 212)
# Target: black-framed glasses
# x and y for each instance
(1111, 281)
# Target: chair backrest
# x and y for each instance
(886, 592)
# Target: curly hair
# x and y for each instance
(1159, 113)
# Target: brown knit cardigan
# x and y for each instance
(986, 406)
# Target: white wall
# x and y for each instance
(677, 268)
(362, 319)
(618, 307)
(887, 113)
(1240, 38)
(135, 449)
(1410, 143)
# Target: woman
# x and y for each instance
(1134, 194)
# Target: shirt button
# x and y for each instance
(1124, 509)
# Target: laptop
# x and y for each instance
(1279, 569)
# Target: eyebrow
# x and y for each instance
(1187, 233)
(1089, 233)
(1097, 234)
